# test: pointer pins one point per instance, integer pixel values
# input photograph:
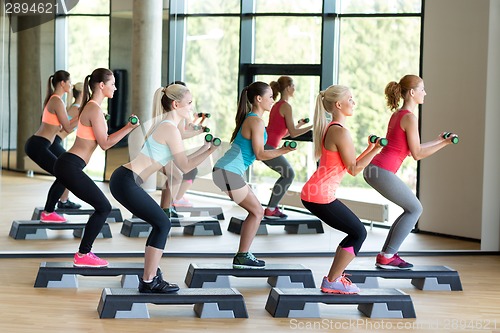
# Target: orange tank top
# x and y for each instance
(86, 132)
(50, 118)
(323, 184)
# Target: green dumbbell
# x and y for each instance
(133, 120)
(291, 144)
(454, 139)
(206, 130)
(203, 115)
(213, 140)
(107, 117)
(383, 141)
(305, 120)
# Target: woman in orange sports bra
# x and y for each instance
(333, 146)
(92, 131)
(37, 147)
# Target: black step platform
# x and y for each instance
(293, 225)
(37, 230)
(115, 213)
(215, 212)
(374, 303)
(440, 278)
(208, 303)
(194, 226)
(279, 275)
(63, 274)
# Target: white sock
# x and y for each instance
(271, 208)
(388, 255)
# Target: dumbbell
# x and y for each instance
(305, 120)
(291, 144)
(199, 127)
(211, 138)
(383, 141)
(454, 139)
(203, 115)
(133, 120)
(107, 117)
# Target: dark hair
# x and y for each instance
(280, 85)
(182, 83)
(394, 91)
(52, 82)
(247, 98)
(98, 75)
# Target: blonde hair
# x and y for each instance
(162, 102)
(325, 102)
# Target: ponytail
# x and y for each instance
(86, 94)
(320, 122)
(241, 113)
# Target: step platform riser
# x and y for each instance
(136, 227)
(115, 213)
(292, 225)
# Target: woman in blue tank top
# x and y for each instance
(248, 140)
(163, 144)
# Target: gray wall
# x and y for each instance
(460, 185)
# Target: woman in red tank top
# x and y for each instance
(281, 123)
(404, 139)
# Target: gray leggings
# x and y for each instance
(281, 166)
(394, 189)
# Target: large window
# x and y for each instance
(363, 44)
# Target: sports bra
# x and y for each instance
(50, 118)
(86, 132)
(156, 151)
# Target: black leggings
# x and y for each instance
(69, 171)
(125, 187)
(339, 217)
(38, 149)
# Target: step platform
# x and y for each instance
(208, 303)
(215, 212)
(115, 213)
(373, 303)
(440, 278)
(194, 226)
(293, 225)
(34, 229)
(279, 275)
(64, 274)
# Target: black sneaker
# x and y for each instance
(247, 260)
(158, 285)
(68, 205)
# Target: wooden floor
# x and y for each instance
(27, 309)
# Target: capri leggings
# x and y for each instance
(125, 187)
(285, 170)
(56, 147)
(69, 170)
(394, 189)
(38, 149)
(191, 175)
(339, 217)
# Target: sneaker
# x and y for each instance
(89, 260)
(68, 205)
(171, 212)
(52, 218)
(247, 260)
(182, 202)
(341, 285)
(274, 214)
(158, 285)
(392, 263)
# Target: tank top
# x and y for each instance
(392, 156)
(240, 156)
(323, 184)
(86, 132)
(276, 129)
(156, 151)
(50, 118)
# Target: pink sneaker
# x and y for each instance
(392, 263)
(340, 285)
(52, 218)
(182, 202)
(274, 214)
(89, 260)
